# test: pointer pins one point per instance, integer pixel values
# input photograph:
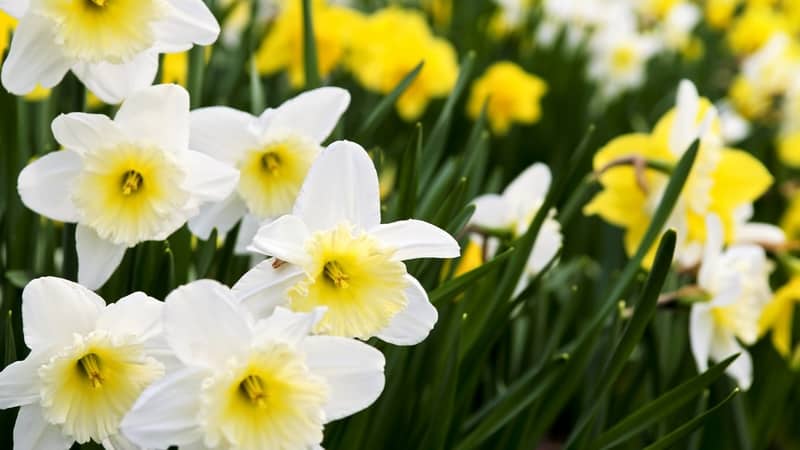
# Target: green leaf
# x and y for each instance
(633, 333)
(197, 70)
(18, 278)
(310, 62)
(457, 285)
(686, 429)
(661, 407)
(10, 349)
(460, 221)
(204, 254)
(379, 114)
(436, 141)
(256, 90)
(406, 199)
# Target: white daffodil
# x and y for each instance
(273, 153)
(618, 57)
(88, 364)
(737, 283)
(112, 46)
(513, 211)
(248, 385)
(341, 257)
(125, 180)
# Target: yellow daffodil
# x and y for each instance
(723, 181)
(778, 315)
(382, 57)
(7, 25)
(754, 28)
(788, 139)
(273, 153)
(513, 94)
(88, 364)
(719, 13)
(175, 68)
(248, 385)
(736, 281)
(618, 57)
(111, 46)
(333, 252)
(125, 180)
(790, 222)
(335, 30)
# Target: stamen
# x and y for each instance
(99, 3)
(271, 162)
(336, 274)
(90, 366)
(131, 181)
(253, 388)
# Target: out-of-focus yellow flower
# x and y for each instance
(390, 44)
(745, 98)
(7, 25)
(754, 28)
(514, 96)
(790, 222)
(440, 10)
(778, 314)
(789, 149)
(334, 31)
(471, 259)
(175, 68)
(658, 9)
(719, 13)
(722, 181)
(38, 94)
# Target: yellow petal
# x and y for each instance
(738, 179)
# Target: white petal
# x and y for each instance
(207, 179)
(223, 133)
(203, 325)
(220, 215)
(342, 185)
(45, 185)
(136, 315)
(53, 309)
(283, 238)
(701, 328)
(353, 369)
(412, 325)
(741, 369)
(34, 58)
(247, 232)
(759, 233)
(113, 83)
(528, 189)
(83, 132)
(15, 8)
(264, 287)
(548, 243)
(493, 211)
(286, 326)
(416, 239)
(97, 258)
(684, 129)
(19, 381)
(313, 113)
(712, 251)
(188, 22)
(157, 115)
(166, 412)
(33, 432)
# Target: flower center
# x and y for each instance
(90, 365)
(623, 58)
(97, 3)
(336, 274)
(254, 390)
(131, 182)
(271, 163)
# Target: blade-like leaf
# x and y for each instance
(457, 285)
(379, 114)
(310, 61)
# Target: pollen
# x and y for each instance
(336, 274)
(131, 181)
(90, 367)
(271, 163)
(97, 3)
(254, 390)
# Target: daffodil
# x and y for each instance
(273, 153)
(126, 180)
(112, 46)
(513, 94)
(333, 252)
(754, 28)
(513, 210)
(788, 139)
(618, 59)
(7, 25)
(723, 181)
(381, 57)
(736, 282)
(719, 13)
(88, 364)
(510, 15)
(778, 316)
(335, 29)
(249, 385)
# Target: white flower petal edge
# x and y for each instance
(44, 185)
(492, 211)
(313, 113)
(283, 238)
(342, 185)
(223, 133)
(412, 325)
(413, 239)
(188, 22)
(32, 432)
(114, 82)
(222, 216)
(158, 115)
(15, 8)
(263, 288)
(97, 258)
(34, 57)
